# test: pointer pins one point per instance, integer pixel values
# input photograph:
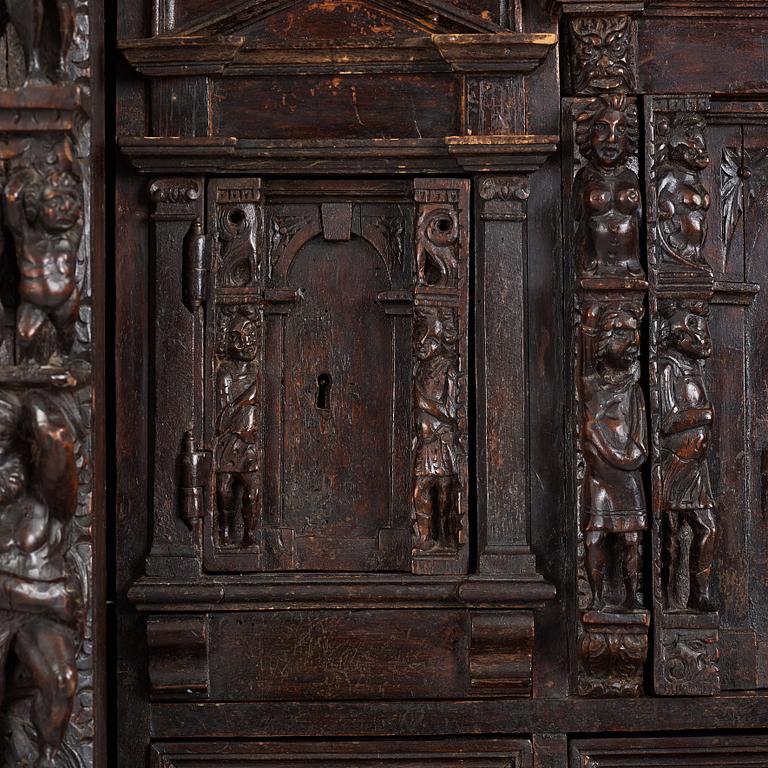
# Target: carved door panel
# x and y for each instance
(312, 375)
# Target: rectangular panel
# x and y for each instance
(308, 655)
(360, 107)
(447, 753)
(704, 752)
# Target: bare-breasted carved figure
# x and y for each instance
(44, 210)
(238, 429)
(683, 201)
(615, 446)
(40, 599)
(607, 202)
(436, 379)
(686, 424)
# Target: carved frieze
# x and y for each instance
(603, 54)
(682, 414)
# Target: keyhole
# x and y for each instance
(324, 391)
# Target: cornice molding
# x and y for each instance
(595, 7)
(497, 53)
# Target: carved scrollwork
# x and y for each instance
(690, 659)
(603, 54)
(612, 661)
(175, 191)
(436, 252)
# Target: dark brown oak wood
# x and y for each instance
(439, 380)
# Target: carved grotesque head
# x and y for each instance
(603, 55)
(618, 344)
(436, 333)
(242, 341)
(685, 327)
(59, 204)
(687, 141)
(607, 131)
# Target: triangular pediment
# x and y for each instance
(296, 21)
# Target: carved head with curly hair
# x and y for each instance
(607, 131)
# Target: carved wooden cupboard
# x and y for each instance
(384, 382)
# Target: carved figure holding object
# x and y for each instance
(615, 446)
(44, 211)
(687, 416)
(238, 430)
(40, 600)
(607, 201)
(42, 25)
(436, 482)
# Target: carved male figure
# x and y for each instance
(44, 210)
(436, 246)
(683, 201)
(615, 445)
(686, 424)
(436, 381)
(603, 54)
(607, 203)
(40, 601)
(32, 19)
(238, 429)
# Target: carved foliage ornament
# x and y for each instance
(603, 54)
(612, 662)
(743, 178)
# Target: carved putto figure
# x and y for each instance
(615, 445)
(607, 202)
(686, 423)
(603, 54)
(436, 380)
(238, 427)
(683, 201)
(40, 600)
(436, 246)
(43, 26)
(44, 211)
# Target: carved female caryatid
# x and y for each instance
(686, 423)
(436, 483)
(44, 210)
(238, 427)
(606, 194)
(683, 201)
(40, 600)
(614, 441)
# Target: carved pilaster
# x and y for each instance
(682, 415)
(440, 477)
(177, 205)
(503, 501)
(47, 488)
(609, 416)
